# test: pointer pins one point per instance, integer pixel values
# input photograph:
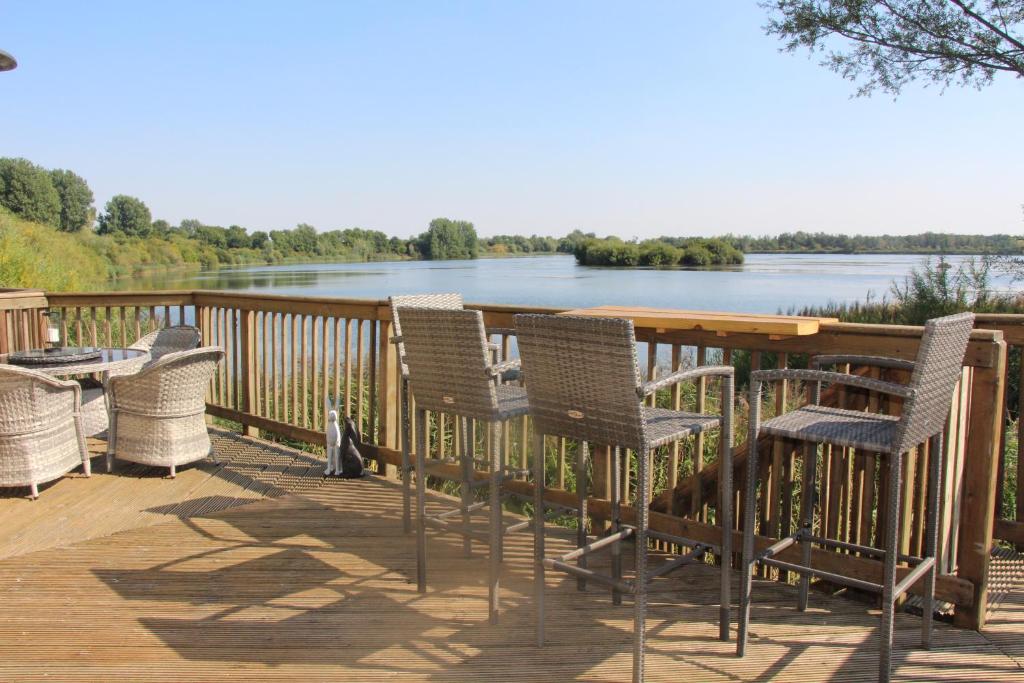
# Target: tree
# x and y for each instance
(28, 192)
(895, 42)
(126, 215)
(76, 210)
(161, 228)
(448, 239)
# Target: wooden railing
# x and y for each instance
(287, 355)
(1009, 527)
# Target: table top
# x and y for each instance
(665, 319)
(109, 359)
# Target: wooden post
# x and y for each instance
(1020, 449)
(249, 398)
(601, 467)
(387, 392)
(980, 467)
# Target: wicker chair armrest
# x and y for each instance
(759, 376)
(504, 367)
(648, 388)
(397, 339)
(873, 361)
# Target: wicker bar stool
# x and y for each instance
(450, 371)
(448, 302)
(451, 302)
(926, 402)
(583, 383)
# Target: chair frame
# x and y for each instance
(620, 532)
(446, 301)
(76, 390)
(905, 435)
(498, 470)
(172, 358)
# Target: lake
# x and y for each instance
(766, 283)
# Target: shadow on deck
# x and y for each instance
(259, 569)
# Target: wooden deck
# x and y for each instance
(258, 569)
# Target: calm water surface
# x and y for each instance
(766, 283)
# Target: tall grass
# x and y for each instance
(38, 257)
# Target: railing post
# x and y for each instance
(249, 399)
(387, 391)
(981, 459)
(601, 474)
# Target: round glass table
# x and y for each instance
(108, 361)
(122, 360)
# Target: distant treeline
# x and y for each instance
(924, 243)
(124, 238)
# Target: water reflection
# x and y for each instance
(765, 283)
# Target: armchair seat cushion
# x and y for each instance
(666, 426)
(851, 428)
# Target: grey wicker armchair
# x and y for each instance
(450, 371)
(41, 436)
(583, 383)
(926, 402)
(158, 415)
(450, 302)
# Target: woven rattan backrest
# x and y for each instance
(936, 371)
(31, 401)
(582, 378)
(451, 301)
(175, 385)
(168, 340)
(446, 351)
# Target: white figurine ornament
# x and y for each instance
(343, 456)
(333, 444)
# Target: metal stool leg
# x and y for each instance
(462, 423)
(724, 511)
(616, 520)
(748, 521)
(582, 455)
(494, 561)
(421, 483)
(807, 493)
(643, 498)
(892, 546)
(931, 538)
(539, 462)
(406, 465)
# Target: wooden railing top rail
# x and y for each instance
(20, 299)
(900, 341)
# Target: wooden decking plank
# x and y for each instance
(317, 586)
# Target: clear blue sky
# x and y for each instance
(632, 118)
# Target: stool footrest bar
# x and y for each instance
(828, 576)
(589, 575)
(681, 540)
(854, 547)
(610, 539)
(444, 525)
(457, 511)
(518, 526)
(778, 547)
(915, 574)
(671, 565)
